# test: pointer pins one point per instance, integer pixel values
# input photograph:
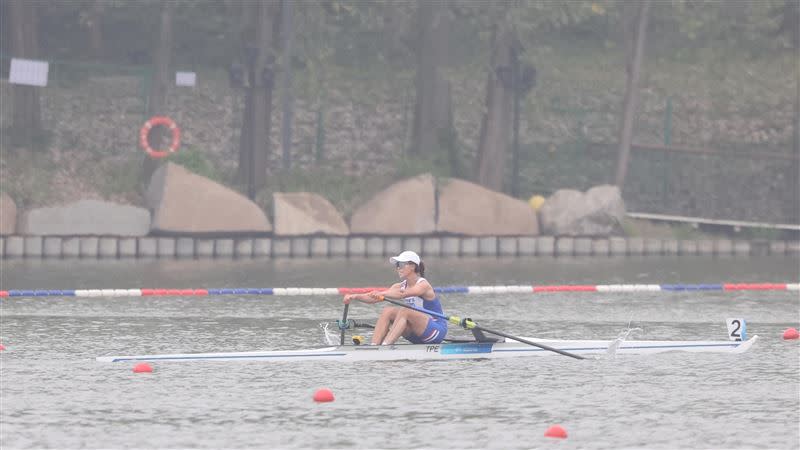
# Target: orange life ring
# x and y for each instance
(145, 132)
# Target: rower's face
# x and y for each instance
(404, 269)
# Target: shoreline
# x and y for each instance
(180, 247)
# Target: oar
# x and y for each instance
(469, 324)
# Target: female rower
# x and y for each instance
(417, 327)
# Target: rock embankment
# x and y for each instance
(183, 202)
(192, 216)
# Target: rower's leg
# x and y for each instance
(406, 321)
(382, 325)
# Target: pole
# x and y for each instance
(516, 89)
(288, 101)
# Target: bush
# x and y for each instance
(198, 163)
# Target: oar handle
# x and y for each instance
(344, 321)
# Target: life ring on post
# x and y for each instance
(144, 133)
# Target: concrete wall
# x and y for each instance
(63, 247)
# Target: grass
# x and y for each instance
(345, 192)
(120, 178)
(198, 163)
(647, 229)
(27, 176)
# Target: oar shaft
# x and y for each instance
(535, 344)
(467, 323)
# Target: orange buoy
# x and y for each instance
(144, 133)
(323, 395)
(142, 368)
(791, 333)
(556, 431)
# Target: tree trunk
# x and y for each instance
(287, 117)
(262, 96)
(630, 16)
(795, 12)
(248, 13)
(255, 146)
(159, 85)
(631, 95)
(394, 31)
(496, 123)
(796, 138)
(27, 116)
(95, 29)
(432, 107)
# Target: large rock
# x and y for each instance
(598, 212)
(8, 214)
(404, 208)
(469, 209)
(87, 217)
(304, 213)
(183, 202)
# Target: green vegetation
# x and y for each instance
(198, 163)
(345, 192)
(119, 179)
(726, 69)
(35, 185)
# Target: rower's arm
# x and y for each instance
(370, 297)
(394, 291)
(364, 298)
(422, 289)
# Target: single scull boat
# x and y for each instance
(482, 347)
(460, 350)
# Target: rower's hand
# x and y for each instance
(375, 295)
(347, 299)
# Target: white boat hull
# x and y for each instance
(471, 350)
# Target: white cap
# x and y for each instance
(406, 256)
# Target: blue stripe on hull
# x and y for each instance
(202, 358)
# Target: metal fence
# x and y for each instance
(359, 120)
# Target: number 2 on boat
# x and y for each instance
(737, 329)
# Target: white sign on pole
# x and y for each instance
(29, 72)
(185, 78)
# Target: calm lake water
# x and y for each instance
(54, 394)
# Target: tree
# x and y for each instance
(633, 70)
(433, 109)
(257, 124)
(92, 18)
(509, 23)
(496, 121)
(26, 120)
(159, 86)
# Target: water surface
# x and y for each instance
(54, 395)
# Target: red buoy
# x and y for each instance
(556, 431)
(2, 347)
(323, 395)
(142, 368)
(791, 333)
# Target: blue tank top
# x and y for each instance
(418, 302)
